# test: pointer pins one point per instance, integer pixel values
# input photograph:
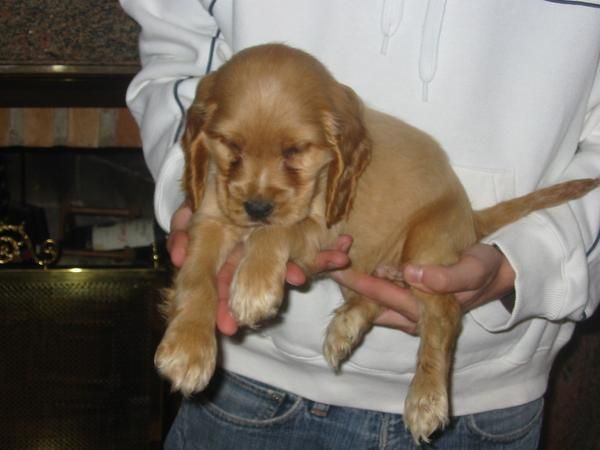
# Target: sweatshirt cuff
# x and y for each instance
(168, 194)
(543, 283)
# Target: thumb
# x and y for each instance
(413, 274)
(465, 275)
(432, 278)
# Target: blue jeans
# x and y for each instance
(237, 413)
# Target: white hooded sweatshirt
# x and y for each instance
(510, 88)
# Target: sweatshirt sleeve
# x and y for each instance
(179, 42)
(556, 252)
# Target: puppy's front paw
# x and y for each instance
(344, 332)
(256, 291)
(187, 356)
(425, 408)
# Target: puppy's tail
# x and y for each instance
(495, 217)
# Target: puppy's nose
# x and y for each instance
(258, 209)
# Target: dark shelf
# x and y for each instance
(104, 90)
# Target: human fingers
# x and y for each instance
(387, 293)
(294, 275)
(176, 246)
(326, 260)
(181, 217)
(226, 323)
(178, 237)
(392, 319)
(227, 270)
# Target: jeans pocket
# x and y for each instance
(241, 401)
(508, 424)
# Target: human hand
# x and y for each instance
(178, 239)
(481, 275)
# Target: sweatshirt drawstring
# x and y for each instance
(391, 17)
(432, 31)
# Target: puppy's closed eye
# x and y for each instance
(229, 150)
(235, 160)
(290, 152)
(232, 143)
(303, 157)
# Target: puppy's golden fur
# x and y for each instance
(281, 156)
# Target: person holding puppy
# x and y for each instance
(512, 92)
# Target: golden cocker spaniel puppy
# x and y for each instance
(281, 156)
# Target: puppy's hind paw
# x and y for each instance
(424, 413)
(187, 360)
(343, 334)
(335, 351)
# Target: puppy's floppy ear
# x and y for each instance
(195, 152)
(347, 135)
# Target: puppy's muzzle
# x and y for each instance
(258, 209)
